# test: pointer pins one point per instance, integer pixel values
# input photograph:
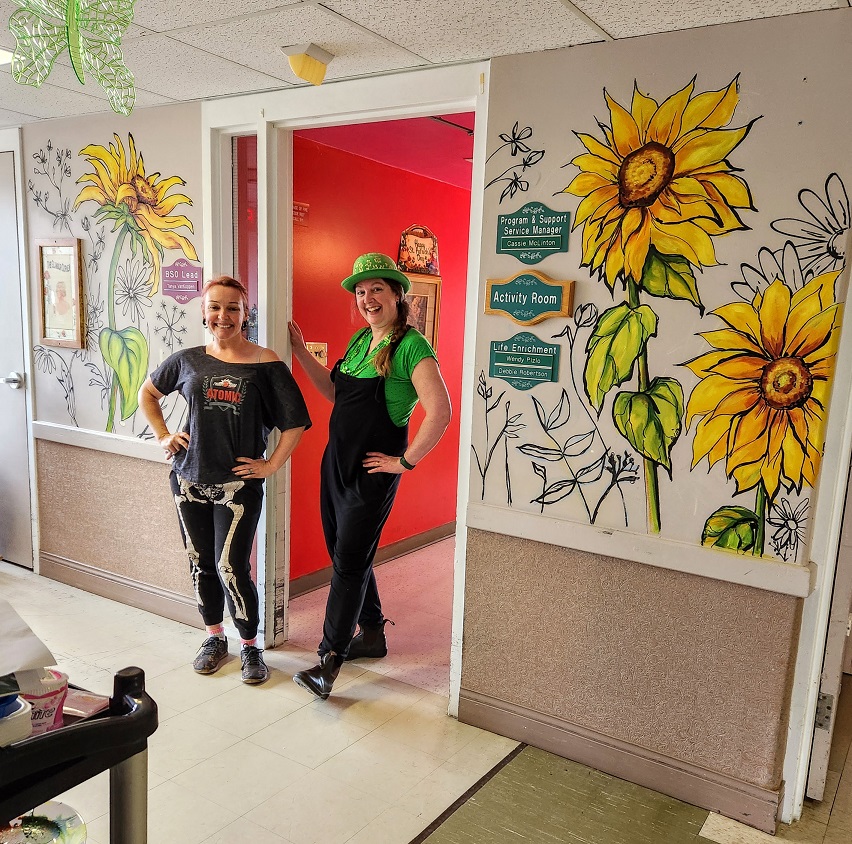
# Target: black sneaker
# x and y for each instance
(210, 655)
(254, 668)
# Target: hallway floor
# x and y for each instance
(378, 762)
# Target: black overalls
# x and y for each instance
(355, 505)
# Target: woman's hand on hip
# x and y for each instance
(375, 461)
(173, 443)
(249, 468)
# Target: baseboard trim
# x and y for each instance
(322, 577)
(744, 802)
(107, 584)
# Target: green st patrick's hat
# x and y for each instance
(374, 265)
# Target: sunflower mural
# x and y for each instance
(762, 400)
(141, 210)
(656, 190)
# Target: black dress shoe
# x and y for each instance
(319, 679)
(370, 643)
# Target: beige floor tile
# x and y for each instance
(182, 742)
(393, 826)
(726, 831)
(418, 727)
(437, 792)
(318, 810)
(483, 752)
(839, 830)
(245, 710)
(182, 689)
(820, 810)
(245, 831)
(308, 736)
(241, 776)
(380, 766)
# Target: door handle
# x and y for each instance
(14, 379)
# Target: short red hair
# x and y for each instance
(227, 281)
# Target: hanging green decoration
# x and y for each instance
(90, 29)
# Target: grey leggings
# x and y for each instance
(218, 523)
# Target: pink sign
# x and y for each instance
(181, 280)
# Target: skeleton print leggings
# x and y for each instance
(218, 523)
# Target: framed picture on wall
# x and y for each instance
(424, 305)
(60, 270)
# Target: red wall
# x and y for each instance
(356, 206)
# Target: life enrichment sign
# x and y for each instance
(529, 297)
(533, 232)
(524, 361)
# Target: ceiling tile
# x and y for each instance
(455, 30)
(14, 118)
(47, 101)
(626, 18)
(164, 15)
(261, 38)
(177, 70)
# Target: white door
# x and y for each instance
(16, 543)
(832, 666)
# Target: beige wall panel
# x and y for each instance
(110, 512)
(691, 668)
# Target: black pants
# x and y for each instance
(218, 523)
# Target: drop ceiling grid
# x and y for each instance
(14, 118)
(165, 15)
(47, 101)
(180, 71)
(626, 18)
(458, 30)
(258, 41)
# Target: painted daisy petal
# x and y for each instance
(838, 200)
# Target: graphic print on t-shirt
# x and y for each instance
(224, 392)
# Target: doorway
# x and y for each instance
(16, 544)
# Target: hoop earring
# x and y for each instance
(203, 321)
(245, 325)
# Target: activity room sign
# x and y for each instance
(529, 297)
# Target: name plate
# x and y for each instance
(533, 233)
(524, 361)
(529, 297)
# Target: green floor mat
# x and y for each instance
(541, 798)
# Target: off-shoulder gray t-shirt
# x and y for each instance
(232, 407)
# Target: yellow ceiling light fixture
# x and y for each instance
(308, 62)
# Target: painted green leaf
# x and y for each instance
(651, 420)
(126, 353)
(670, 276)
(733, 528)
(617, 341)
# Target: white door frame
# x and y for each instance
(10, 141)
(273, 116)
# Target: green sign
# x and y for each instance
(529, 297)
(524, 361)
(533, 233)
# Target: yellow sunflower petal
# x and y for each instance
(603, 198)
(635, 234)
(749, 438)
(686, 239)
(91, 192)
(798, 425)
(595, 147)
(741, 368)
(813, 335)
(642, 108)
(770, 474)
(709, 148)
(774, 310)
(727, 338)
(707, 395)
(584, 183)
(746, 476)
(625, 132)
(733, 190)
(742, 317)
(708, 433)
(712, 109)
(125, 192)
(665, 125)
(706, 364)
(166, 206)
(154, 221)
(742, 400)
(595, 164)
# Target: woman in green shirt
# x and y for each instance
(387, 368)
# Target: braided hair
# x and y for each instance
(382, 361)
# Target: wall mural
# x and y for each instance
(515, 142)
(133, 224)
(657, 186)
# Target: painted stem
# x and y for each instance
(113, 269)
(652, 483)
(760, 510)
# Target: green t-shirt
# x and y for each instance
(400, 395)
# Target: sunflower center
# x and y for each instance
(144, 191)
(644, 175)
(786, 383)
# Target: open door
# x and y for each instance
(833, 661)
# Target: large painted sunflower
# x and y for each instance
(764, 388)
(660, 178)
(136, 201)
